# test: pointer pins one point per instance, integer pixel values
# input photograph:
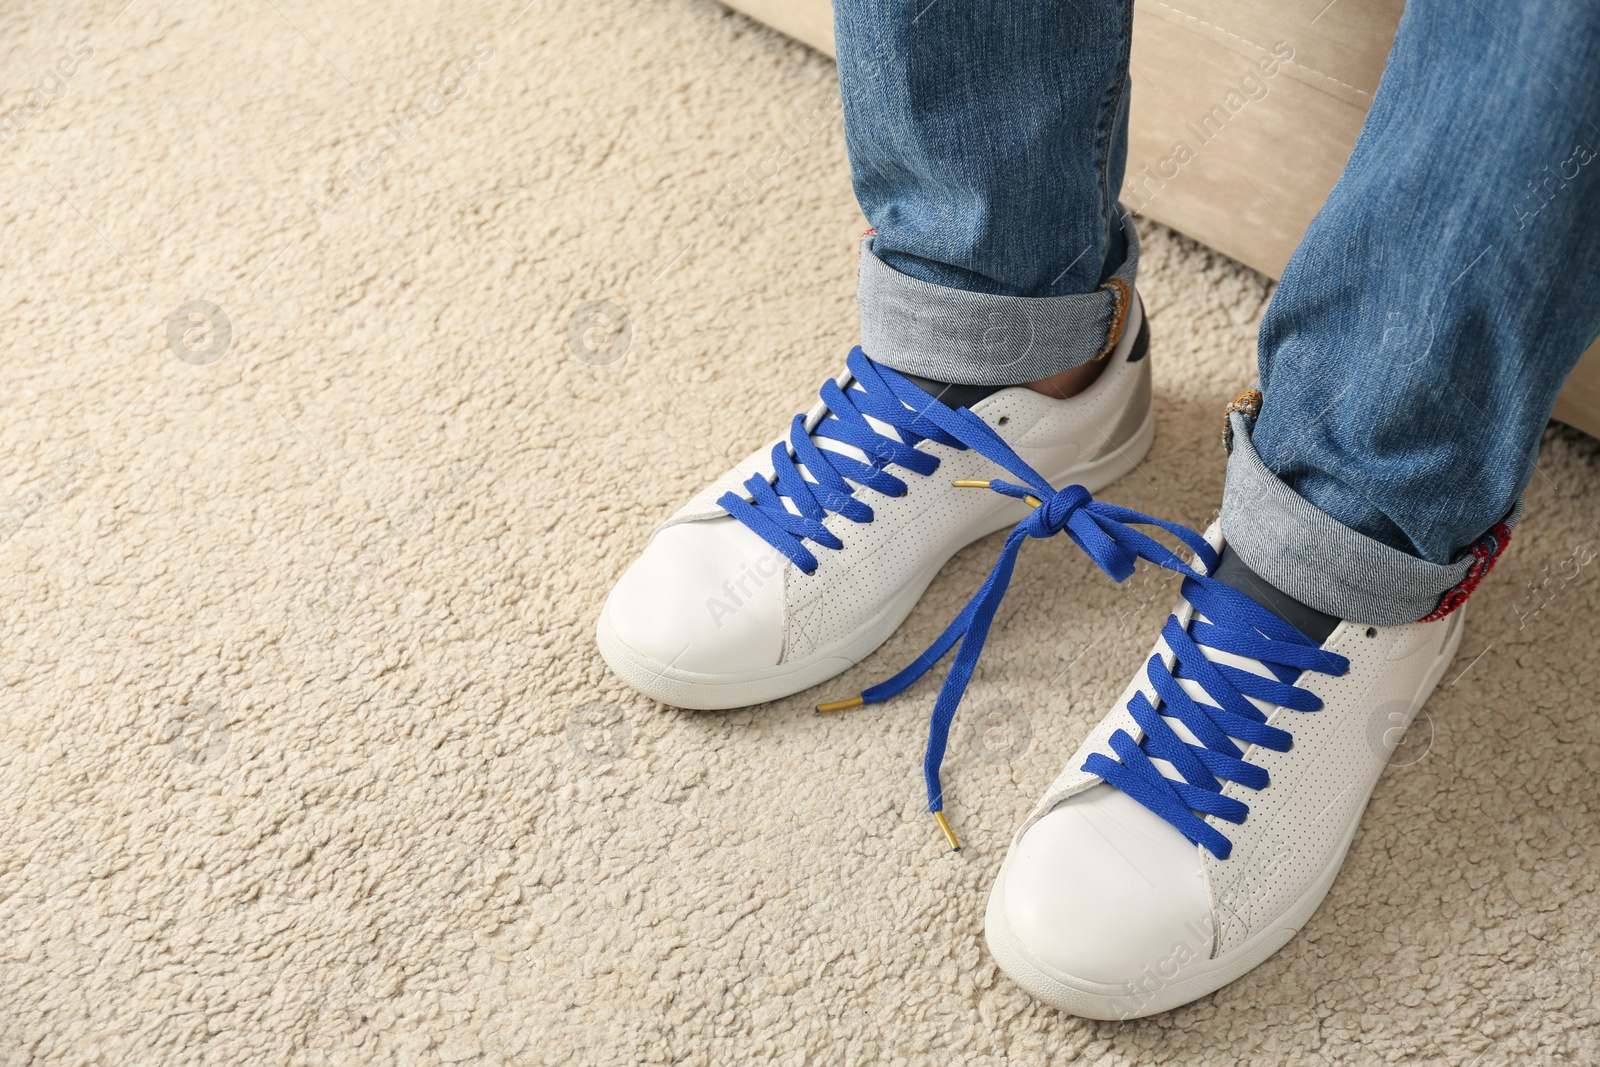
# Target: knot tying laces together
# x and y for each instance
(1106, 534)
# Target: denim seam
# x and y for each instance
(1108, 118)
(1122, 294)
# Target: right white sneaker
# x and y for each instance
(1198, 828)
(748, 594)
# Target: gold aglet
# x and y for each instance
(973, 483)
(949, 835)
(840, 705)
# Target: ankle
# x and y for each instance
(1069, 383)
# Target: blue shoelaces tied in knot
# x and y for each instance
(1226, 619)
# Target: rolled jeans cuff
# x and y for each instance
(1318, 560)
(966, 338)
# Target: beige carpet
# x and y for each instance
(306, 755)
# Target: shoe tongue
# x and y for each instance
(1232, 571)
(953, 396)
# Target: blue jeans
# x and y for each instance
(1411, 354)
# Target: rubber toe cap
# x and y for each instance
(705, 597)
(1103, 890)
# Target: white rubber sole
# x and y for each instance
(715, 692)
(1094, 1000)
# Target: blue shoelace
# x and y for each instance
(1227, 621)
(884, 395)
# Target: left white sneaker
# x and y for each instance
(802, 560)
(1200, 825)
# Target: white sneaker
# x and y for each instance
(1121, 895)
(748, 595)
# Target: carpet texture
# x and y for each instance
(350, 353)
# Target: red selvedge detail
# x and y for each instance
(1484, 552)
(864, 235)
